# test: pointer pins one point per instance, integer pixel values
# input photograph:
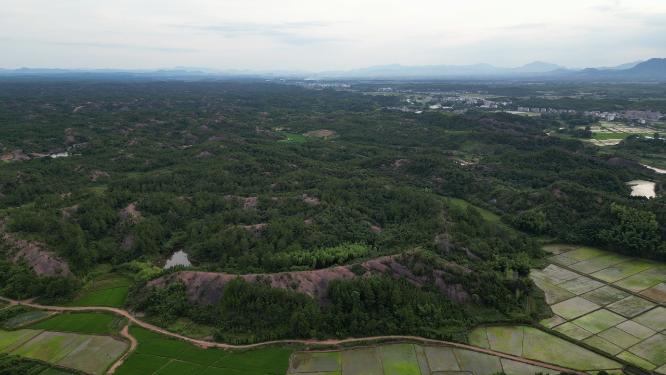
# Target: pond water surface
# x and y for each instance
(640, 188)
(176, 257)
(59, 155)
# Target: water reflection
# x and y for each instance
(59, 155)
(176, 257)
(640, 188)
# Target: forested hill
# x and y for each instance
(260, 178)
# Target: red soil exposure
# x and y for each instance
(207, 287)
(131, 210)
(19, 155)
(43, 262)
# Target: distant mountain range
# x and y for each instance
(653, 69)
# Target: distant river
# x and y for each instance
(640, 188)
(176, 257)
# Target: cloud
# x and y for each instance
(291, 33)
(524, 26)
(127, 46)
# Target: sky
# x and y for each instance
(327, 35)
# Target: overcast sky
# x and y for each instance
(327, 35)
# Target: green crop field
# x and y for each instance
(316, 362)
(441, 358)
(637, 282)
(141, 364)
(553, 321)
(603, 344)
(80, 339)
(636, 360)
(546, 348)
(655, 319)
(652, 349)
(399, 359)
(506, 339)
(619, 337)
(631, 306)
(180, 368)
(519, 368)
(637, 330)
(110, 284)
(269, 360)
(8, 339)
(573, 331)
(574, 307)
(95, 355)
(108, 297)
(561, 259)
(362, 361)
(479, 338)
(598, 321)
(598, 263)
(554, 274)
(622, 270)
(226, 371)
(553, 294)
(605, 295)
(163, 347)
(477, 363)
(580, 285)
(202, 356)
(421, 359)
(585, 253)
(25, 318)
(141, 334)
(87, 323)
(293, 137)
(55, 371)
(46, 345)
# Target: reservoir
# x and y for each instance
(176, 257)
(640, 188)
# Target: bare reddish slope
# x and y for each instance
(207, 287)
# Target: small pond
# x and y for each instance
(176, 257)
(640, 188)
(655, 169)
(59, 155)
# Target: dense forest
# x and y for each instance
(257, 178)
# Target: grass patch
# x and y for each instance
(110, 284)
(86, 323)
(546, 348)
(293, 137)
(141, 334)
(399, 359)
(226, 371)
(202, 356)
(269, 360)
(362, 361)
(316, 362)
(598, 321)
(180, 368)
(109, 297)
(163, 347)
(141, 364)
(506, 339)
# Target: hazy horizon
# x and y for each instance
(299, 35)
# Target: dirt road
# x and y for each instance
(205, 344)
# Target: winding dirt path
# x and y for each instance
(206, 344)
(133, 345)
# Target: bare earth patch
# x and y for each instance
(43, 262)
(208, 287)
(98, 174)
(131, 211)
(248, 203)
